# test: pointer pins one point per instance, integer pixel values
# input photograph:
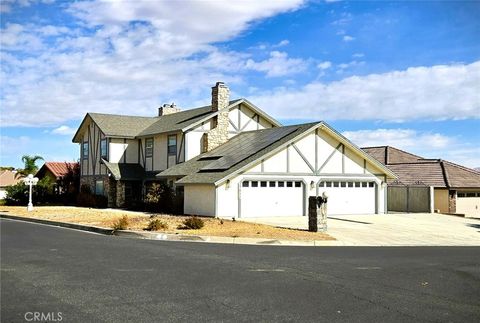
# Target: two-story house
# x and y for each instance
(231, 159)
(120, 154)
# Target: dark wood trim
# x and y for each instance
(124, 151)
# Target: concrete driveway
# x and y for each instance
(402, 229)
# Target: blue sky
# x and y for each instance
(406, 74)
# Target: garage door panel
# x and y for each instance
(468, 203)
(349, 197)
(271, 198)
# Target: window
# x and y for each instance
(298, 184)
(371, 184)
(263, 184)
(335, 184)
(358, 184)
(281, 184)
(172, 144)
(322, 184)
(350, 184)
(103, 148)
(364, 184)
(329, 184)
(245, 184)
(149, 147)
(289, 184)
(343, 184)
(271, 184)
(254, 184)
(99, 189)
(470, 194)
(85, 150)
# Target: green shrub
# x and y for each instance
(157, 224)
(161, 198)
(16, 194)
(193, 223)
(121, 224)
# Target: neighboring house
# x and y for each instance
(231, 159)
(8, 178)
(120, 155)
(456, 188)
(56, 172)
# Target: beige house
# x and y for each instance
(456, 188)
(7, 178)
(120, 155)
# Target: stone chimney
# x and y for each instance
(167, 109)
(218, 134)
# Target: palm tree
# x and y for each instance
(29, 162)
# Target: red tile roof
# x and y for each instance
(58, 169)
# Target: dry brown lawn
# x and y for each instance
(139, 220)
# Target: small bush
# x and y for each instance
(121, 224)
(156, 224)
(193, 223)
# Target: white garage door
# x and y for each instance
(349, 197)
(271, 198)
(468, 203)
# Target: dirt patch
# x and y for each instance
(139, 221)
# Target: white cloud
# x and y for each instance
(129, 58)
(406, 139)
(64, 130)
(324, 65)
(279, 64)
(424, 144)
(348, 38)
(358, 55)
(437, 92)
(282, 43)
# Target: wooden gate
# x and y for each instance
(408, 198)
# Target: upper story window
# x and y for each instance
(103, 148)
(149, 147)
(85, 150)
(172, 145)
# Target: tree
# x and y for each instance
(30, 164)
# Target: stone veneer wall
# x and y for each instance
(452, 202)
(110, 187)
(220, 101)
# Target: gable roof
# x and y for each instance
(9, 177)
(113, 125)
(124, 171)
(58, 169)
(412, 169)
(241, 151)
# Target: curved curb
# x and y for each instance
(178, 237)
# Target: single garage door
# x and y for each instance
(349, 197)
(260, 198)
(468, 203)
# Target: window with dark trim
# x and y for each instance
(281, 184)
(263, 184)
(103, 148)
(298, 184)
(172, 144)
(289, 184)
(271, 184)
(85, 150)
(254, 184)
(149, 147)
(99, 188)
(245, 184)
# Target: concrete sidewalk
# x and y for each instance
(412, 229)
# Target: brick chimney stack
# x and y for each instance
(168, 109)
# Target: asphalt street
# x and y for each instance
(87, 277)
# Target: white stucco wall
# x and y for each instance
(199, 200)
(275, 168)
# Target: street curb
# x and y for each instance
(178, 237)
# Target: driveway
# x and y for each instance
(402, 229)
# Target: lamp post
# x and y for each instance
(30, 181)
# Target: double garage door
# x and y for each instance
(287, 198)
(468, 203)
